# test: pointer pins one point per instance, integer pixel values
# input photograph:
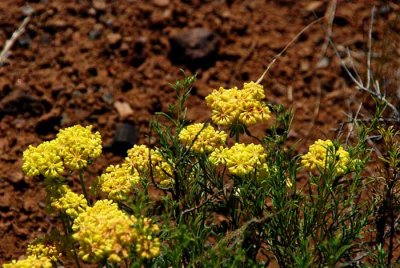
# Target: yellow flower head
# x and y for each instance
(63, 199)
(30, 262)
(162, 170)
(40, 250)
(138, 158)
(201, 139)
(241, 159)
(79, 145)
(43, 159)
(254, 91)
(147, 246)
(104, 233)
(118, 181)
(73, 148)
(218, 156)
(323, 152)
(244, 106)
(38, 256)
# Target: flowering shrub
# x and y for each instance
(224, 202)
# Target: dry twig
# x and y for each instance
(11, 41)
(371, 87)
(285, 48)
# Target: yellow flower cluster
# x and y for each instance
(44, 159)
(65, 200)
(79, 145)
(241, 159)
(106, 233)
(323, 152)
(40, 250)
(147, 246)
(30, 262)
(138, 158)
(202, 139)
(73, 148)
(245, 106)
(118, 180)
(38, 256)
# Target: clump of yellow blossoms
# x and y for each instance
(245, 106)
(63, 199)
(44, 159)
(79, 145)
(38, 256)
(40, 250)
(118, 180)
(241, 159)
(73, 148)
(105, 233)
(139, 158)
(323, 152)
(202, 139)
(147, 246)
(30, 262)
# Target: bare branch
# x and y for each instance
(370, 47)
(11, 41)
(201, 204)
(359, 83)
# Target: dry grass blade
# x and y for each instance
(11, 41)
(286, 47)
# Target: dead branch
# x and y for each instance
(9, 43)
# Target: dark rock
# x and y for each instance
(126, 85)
(92, 71)
(125, 137)
(138, 53)
(196, 48)
(18, 102)
(156, 106)
(47, 123)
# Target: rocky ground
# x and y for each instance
(110, 63)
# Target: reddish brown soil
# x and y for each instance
(77, 58)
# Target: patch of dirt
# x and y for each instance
(110, 63)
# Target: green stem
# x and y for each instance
(67, 230)
(83, 186)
